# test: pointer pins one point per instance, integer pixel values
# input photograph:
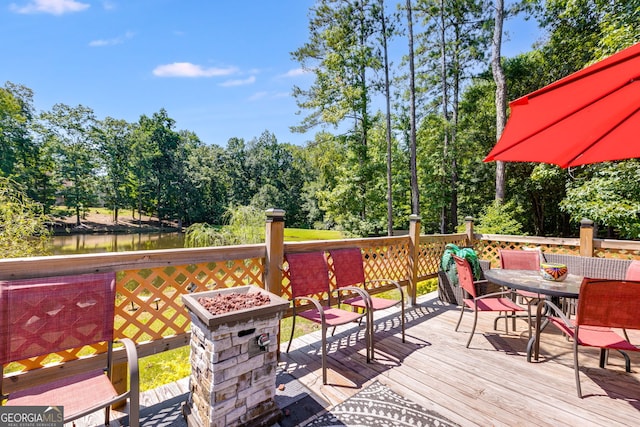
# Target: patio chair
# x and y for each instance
(603, 304)
(49, 315)
(522, 260)
(493, 302)
(309, 280)
(349, 271)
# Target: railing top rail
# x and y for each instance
(314, 245)
(25, 268)
(529, 239)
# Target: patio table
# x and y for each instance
(532, 281)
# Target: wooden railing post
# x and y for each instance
(274, 242)
(468, 227)
(586, 237)
(414, 253)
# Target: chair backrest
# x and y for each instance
(519, 259)
(347, 266)
(633, 272)
(48, 315)
(308, 273)
(465, 275)
(609, 303)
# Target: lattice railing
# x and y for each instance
(149, 283)
(149, 306)
(488, 247)
(431, 249)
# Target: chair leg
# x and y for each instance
(369, 337)
(473, 328)
(576, 368)
(293, 327)
(627, 361)
(604, 355)
(324, 354)
(460, 318)
(402, 320)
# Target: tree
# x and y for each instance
(453, 44)
(23, 230)
(343, 53)
(608, 194)
(415, 194)
(384, 36)
(115, 145)
(71, 131)
(501, 90)
(204, 181)
(155, 168)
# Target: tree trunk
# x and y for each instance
(445, 113)
(501, 94)
(415, 196)
(388, 117)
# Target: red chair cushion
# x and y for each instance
(378, 303)
(75, 393)
(493, 304)
(333, 316)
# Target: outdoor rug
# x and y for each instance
(377, 405)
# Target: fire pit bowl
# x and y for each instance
(275, 305)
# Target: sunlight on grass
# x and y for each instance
(300, 234)
(164, 368)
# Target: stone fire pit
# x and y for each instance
(233, 360)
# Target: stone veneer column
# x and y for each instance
(229, 385)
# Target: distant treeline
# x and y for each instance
(353, 179)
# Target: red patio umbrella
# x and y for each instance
(590, 116)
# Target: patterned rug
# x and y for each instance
(378, 405)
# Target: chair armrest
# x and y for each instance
(361, 292)
(393, 282)
(312, 301)
(495, 294)
(132, 359)
(134, 381)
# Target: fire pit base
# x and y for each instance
(233, 363)
(267, 418)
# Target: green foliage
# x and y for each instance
(499, 218)
(608, 194)
(245, 226)
(23, 230)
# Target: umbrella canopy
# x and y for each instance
(590, 116)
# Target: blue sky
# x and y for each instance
(220, 68)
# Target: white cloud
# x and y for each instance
(54, 7)
(296, 72)
(187, 69)
(247, 81)
(113, 41)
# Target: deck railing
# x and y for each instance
(149, 284)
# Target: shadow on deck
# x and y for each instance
(490, 383)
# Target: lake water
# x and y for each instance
(94, 243)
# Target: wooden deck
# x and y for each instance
(489, 384)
